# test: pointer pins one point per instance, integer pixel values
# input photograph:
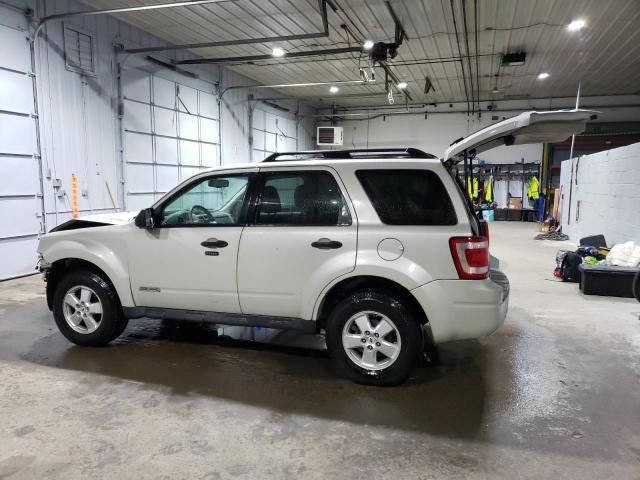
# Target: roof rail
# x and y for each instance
(348, 154)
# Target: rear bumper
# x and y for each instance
(463, 309)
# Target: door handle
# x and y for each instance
(326, 244)
(214, 243)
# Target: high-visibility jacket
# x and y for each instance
(473, 191)
(533, 189)
(488, 190)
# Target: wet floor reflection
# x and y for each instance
(281, 371)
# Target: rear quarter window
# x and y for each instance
(408, 197)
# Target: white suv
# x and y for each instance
(379, 249)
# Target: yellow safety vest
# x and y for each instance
(488, 190)
(473, 192)
(532, 189)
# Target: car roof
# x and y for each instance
(327, 162)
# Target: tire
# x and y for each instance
(381, 366)
(636, 286)
(93, 329)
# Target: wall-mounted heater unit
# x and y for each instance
(329, 136)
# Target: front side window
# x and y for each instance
(214, 200)
(408, 197)
(301, 198)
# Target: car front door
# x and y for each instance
(302, 235)
(189, 259)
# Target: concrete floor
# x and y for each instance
(555, 393)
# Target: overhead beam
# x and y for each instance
(255, 58)
(224, 43)
(246, 41)
(106, 11)
(139, 8)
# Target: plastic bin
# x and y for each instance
(488, 215)
(607, 280)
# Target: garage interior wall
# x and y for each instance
(602, 189)
(443, 124)
(166, 127)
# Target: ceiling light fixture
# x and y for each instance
(576, 25)
(495, 90)
(334, 89)
(543, 76)
(402, 85)
(368, 44)
(277, 52)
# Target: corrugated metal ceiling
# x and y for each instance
(603, 56)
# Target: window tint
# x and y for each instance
(301, 198)
(211, 201)
(408, 197)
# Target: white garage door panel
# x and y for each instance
(208, 105)
(189, 99)
(209, 154)
(137, 147)
(138, 202)
(21, 211)
(189, 126)
(189, 153)
(270, 142)
(164, 92)
(258, 119)
(257, 155)
(17, 134)
(137, 117)
(16, 92)
(175, 115)
(167, 178)
(167, 150)
(20, 205)
(270, 122)
(165, 122)
(14, 261)
(188, 172)
(135, 85)
(140, 178)
(14, 51)
(23, 175)
(258, 139)
(208, 130)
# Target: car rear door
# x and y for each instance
(302, 235)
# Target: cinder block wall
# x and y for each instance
(605, 195)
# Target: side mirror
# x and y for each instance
(145, 219)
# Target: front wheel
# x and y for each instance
(87, 310)
(372, 338)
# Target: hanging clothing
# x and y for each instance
(472, 190)
(488, 190)
(533, 188)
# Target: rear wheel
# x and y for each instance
(87, 310)
(372, 338)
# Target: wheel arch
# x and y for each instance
(64, 266)
(349, 285)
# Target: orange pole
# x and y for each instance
(74, 196)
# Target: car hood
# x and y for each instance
(96, 220)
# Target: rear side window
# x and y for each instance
(408, 197)
(301, 199)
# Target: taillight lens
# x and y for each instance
(484, 228)
(471, 257)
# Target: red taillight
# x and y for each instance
(484, 229)
(471, 257)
